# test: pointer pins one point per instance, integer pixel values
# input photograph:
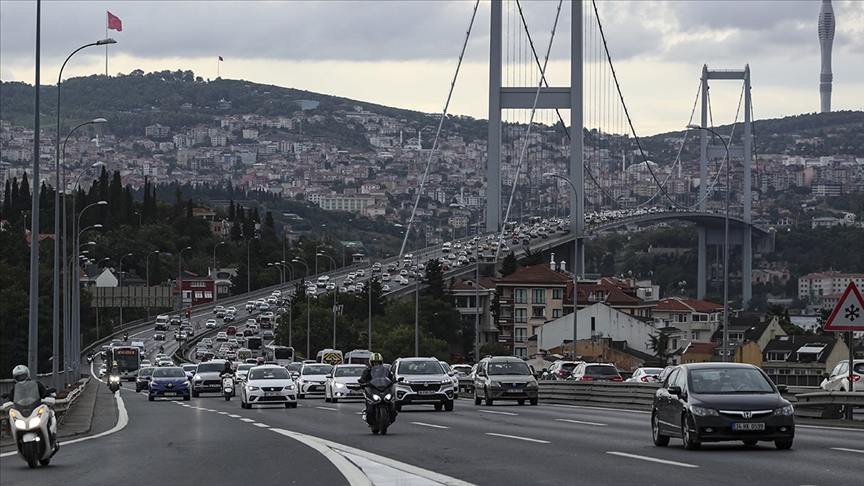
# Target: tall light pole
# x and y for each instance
(215, 288)
(290, 306)
(57, 235)
(281, 272)
(121, 287)
(335, 295)
(308, 327)
(147, 268)
(180, 276)
(725, 245)
(575, 260)
(139, 219)
(98, 264)
(75, 335)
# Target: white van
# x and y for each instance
(322, 281)
(162, 323)
(139, 345)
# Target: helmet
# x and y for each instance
(227, 365)
(114, 363)
(376, 357)
(21, 373)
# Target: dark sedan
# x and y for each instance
(142, 382)
(595, 372)
(713, 402)
(169, 382)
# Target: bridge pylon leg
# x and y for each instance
(702, 272)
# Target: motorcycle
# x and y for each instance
(34, 429)
(114, 383)
(380, 400)
(89, 358)
(227, 387)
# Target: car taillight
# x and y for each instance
(854, 378)
(618, 378)
(644, 378)
(586, 378)
(560, 372)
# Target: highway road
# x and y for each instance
(212, 441)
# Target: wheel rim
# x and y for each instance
(655, 426)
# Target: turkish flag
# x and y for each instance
(220, 58)
(114, 22)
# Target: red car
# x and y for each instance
(248, 332)
(231, 330)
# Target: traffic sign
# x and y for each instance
(849, 313)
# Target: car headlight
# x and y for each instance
(495, 383)
(197, 378)
(785, 411)
(703, 412)
(338, 385)
(448, 380)
(251, 388)
(289, 387)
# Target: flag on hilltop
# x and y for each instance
(114, 22)
(220, 58)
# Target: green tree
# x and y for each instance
(509, 265)
(435, 280)
(659, 343)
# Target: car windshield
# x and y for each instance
(145, 371)
(601, 370)
(244, 367)
(420, 368)
(323, 369)
(348, 371)
(189, 367)
(204, 367)
(509, 368)
(568, 366)
(169, 373)
(294, 366)
(275, 373)
(729, 380)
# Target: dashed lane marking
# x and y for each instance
(430, 425)
(233, 416)
(497, 412)
(328, 408)
(247, 420)
(581, 422)
(263, 426)
(651, 459)
(843, 449)
(527, 439)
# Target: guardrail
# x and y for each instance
(826, 405)
(641, 395)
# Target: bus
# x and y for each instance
(254, 344)
(329, 356)
(358, 356)
(282, 355)
(128, 360)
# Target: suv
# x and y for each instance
(206, 378)
(423, 380)
(504, 378)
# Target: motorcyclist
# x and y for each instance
(115, 371)
(21, 374)
(161, 349)
(375, 360)
(125, 336)
(228, 370)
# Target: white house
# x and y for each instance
(107, 279)
(598, 320)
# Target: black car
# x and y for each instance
(142, 382)
(713, 402)
(596, 372)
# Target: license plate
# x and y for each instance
(425, 392)
(749, 426)
(272, 394)
(514, 390)
(170, 394)
(318, 388)
(213, 386)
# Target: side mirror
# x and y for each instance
(675, 390)
(824, 376)
(51, 390)
(451, 373)
(4, 396)
(782, 388)
(400, 379)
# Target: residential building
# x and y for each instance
(474, 301)
(698, 319)
(800, 360)
(354, 204)
(814, 285)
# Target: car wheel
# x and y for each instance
(691, 441)
(521, 401)
(438, 407)
(448, 406)
(294, 405)
(334, 400)
(783, 444)
(150, 398)
(660, 440)
(476, 398)
(287, 405)
(533, 401)
(750, 442)
(194, 394)
(301, 396)
(488, 399)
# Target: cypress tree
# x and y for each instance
(232, 211)
(26, 203)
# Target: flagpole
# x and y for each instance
(106, 45)
(217, 68)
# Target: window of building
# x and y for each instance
(538, 313)
(196, 283)
(695, 336)
(680, 317)
(538, 296)
(208, 295)
(520, 296)
(557, 294)
(556, 313)
(199, 295)
(521, 335)
(521, 315)
(775, 356)
(521, 352)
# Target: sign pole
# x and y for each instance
(851, 343)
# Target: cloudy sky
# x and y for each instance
(404, 53)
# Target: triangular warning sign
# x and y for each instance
(849, 313)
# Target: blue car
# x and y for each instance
(169, 382)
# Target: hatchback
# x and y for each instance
(713, 402)
(838, 379)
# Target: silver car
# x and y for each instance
(423, 380)
(312, 379)
(268, 384)
(342, 383)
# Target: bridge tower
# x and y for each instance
(712, 235)
(501, 98)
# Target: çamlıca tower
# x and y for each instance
(826, 42)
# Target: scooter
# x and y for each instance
(114, 383)
(34, 428)
(228, 387)
(380, 399)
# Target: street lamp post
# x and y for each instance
(75, 335)
(147, 268)
(215, 287)
(725, 245)
(281, 272)
(121, 287)
(57, 235)
(290, 306)
(308, 327)
(575, 261)
(180, 277)
(97, 298)
(335, 295)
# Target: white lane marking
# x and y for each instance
(330, 449)
(208, 409)
(602, 408)
(122, 420)
(263, 426)
(581, 422)
(824, 427)
(518, 438)
(497, 412)
(247, 420)
(223, 413)
(847, 450)
(651, 459)
(233, 416)
(430, 425)
(328, 408)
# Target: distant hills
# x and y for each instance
(179, 98)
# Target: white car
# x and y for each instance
(361, 273)
(222, 336)
(211, 324)
(645, 375)
(268, 384)
(242, 371)
(342, 383)
(250, 306)
(231, 310)
(385, 288)
(145, 363)
(838, 379)
(312, 378)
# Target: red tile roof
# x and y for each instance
(537, 274)
(700, 348)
